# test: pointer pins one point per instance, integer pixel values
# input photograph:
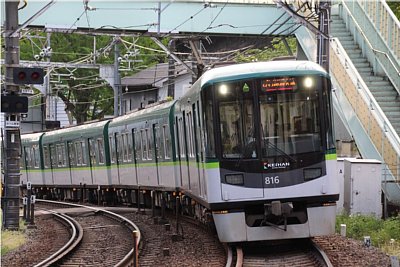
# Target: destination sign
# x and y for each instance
(279, 84)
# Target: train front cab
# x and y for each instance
(276, 158)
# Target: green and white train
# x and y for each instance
(249, 147)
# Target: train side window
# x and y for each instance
(28, 156)
(23, 160)
(144, 144)
(118, 143)
(61, 160)
(189, 135)
(36, 156)
(181, 138)
(129, 146)
(166, 142)
(100, 145)
(78, 150)
(46, 156)
(197, 129)
(209, 122)
(71, 154)
(149, 144)
(124, 148)
(84, 157)
(176, 136)
(53, 156)
(138, 145)
(112, 148)
(80, 147)
(92, 152)
(58, 156)
(157, 146)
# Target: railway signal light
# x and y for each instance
(14, 104)
(28, 75)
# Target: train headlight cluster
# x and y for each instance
(235, 179)
(312, 173)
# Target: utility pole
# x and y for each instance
(323, 41)
(11, 157)
(117, 80)
(171, 70)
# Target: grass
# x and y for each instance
(11, 240)
(385, 234)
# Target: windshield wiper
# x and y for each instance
(267, 144)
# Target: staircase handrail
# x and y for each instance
(356, 78)
(369, 44)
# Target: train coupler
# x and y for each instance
(276, 214)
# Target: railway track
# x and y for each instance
(299, 253)
(98, 237)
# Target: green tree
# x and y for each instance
(395, 6)
(276, 49)
(84, 93)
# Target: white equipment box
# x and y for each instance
(362, 187)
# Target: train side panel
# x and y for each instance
(81, 176)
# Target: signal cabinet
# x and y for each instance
(362, 187)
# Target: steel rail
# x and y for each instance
(73, 242)
(127, 223)
(322, 254)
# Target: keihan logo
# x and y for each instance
(276, 165)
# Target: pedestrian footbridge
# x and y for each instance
(364, 65)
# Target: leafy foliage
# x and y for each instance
(384, 233)
(276, 49)
(84, 93)
(395, 6)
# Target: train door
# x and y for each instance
(195, 137)
(192, 151)
(156, 140)
(184, 151)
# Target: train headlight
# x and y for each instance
(312, 173)
(308, 82)
(235, 179)
(223, 89)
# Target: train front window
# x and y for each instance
(289, 113)
(236, 119)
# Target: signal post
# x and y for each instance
(13, 105)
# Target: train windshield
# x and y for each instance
(236, 114)
(289, 114)
(273, 116)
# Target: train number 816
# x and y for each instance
(272, 180)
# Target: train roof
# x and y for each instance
(84, 130)
(31, 137)
(261, 69)
(150, 112)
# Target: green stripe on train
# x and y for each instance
(330, 156)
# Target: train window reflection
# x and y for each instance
(289, 124)
(237, 121)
